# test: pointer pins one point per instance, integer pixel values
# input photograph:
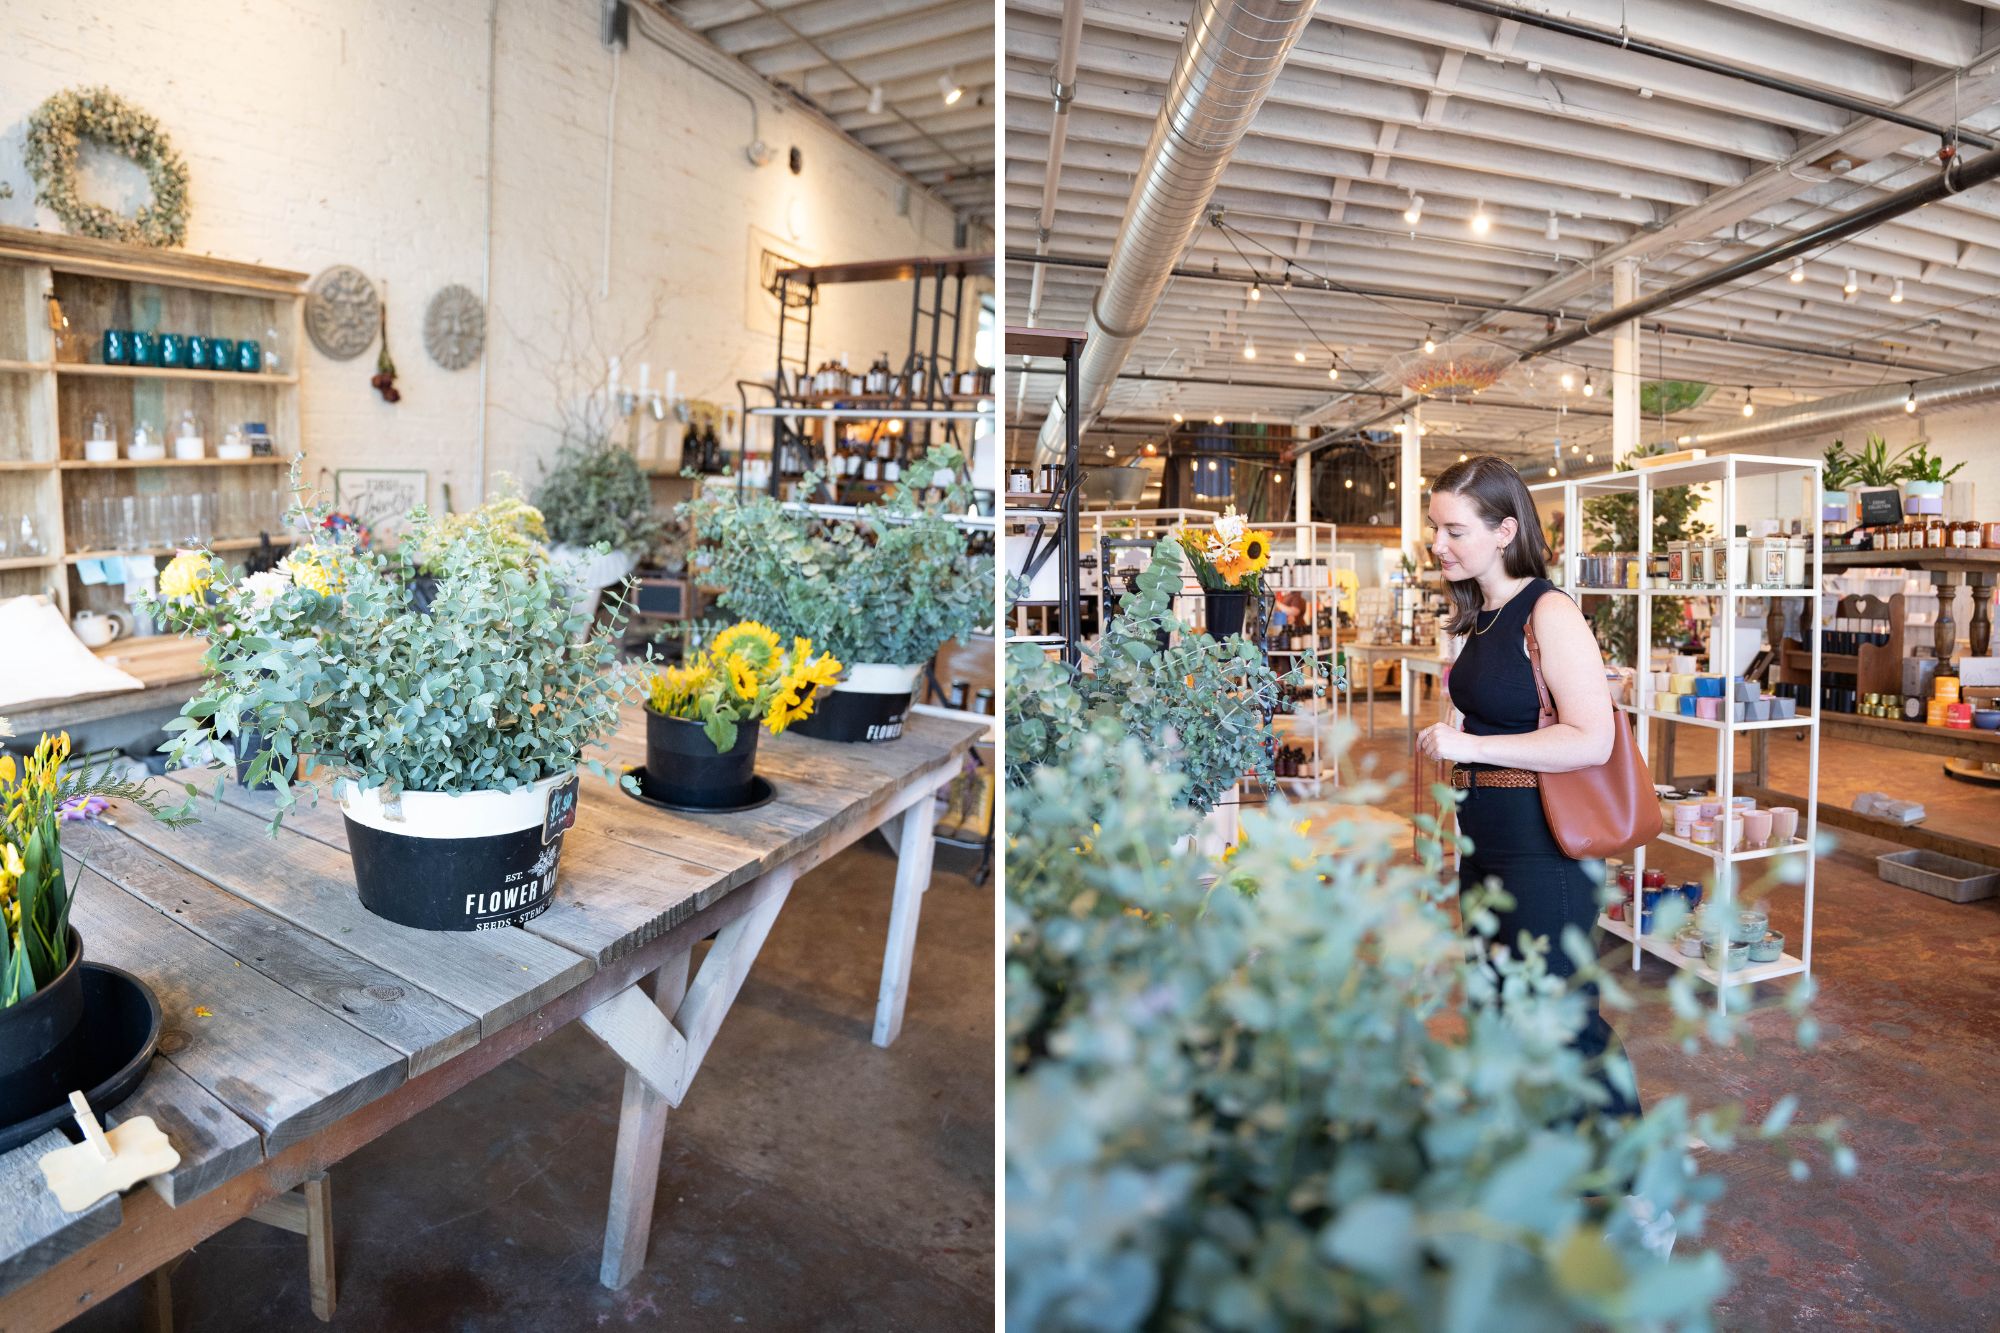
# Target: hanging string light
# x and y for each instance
(1249, 350)
(1430, 340)
(1589, 389)
(1852, 285)
(1256, 293)
(1798, 273)
(1910, 403)
(1481, 224)
(1749, 407)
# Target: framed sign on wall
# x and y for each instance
(380, 497)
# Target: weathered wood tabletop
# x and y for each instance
(299, 1027)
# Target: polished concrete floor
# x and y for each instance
(1909, 1006)
(810, 1181)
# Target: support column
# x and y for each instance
(1302, 501)
(1410, 467)
(1624, 363)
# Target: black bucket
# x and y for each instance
(684, 769)
(36, 1053)
(477, 861)
(1225, 613)
(869, 705)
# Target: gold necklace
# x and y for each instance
(1498, 609)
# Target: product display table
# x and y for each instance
(1416, 660)
(298, 1027)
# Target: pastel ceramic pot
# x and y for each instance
(1750, 925)
(1769, 949)
(1689, 942)
(1756, 829)
(1986, 719)
(1784, 824)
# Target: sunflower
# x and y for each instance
(1257, 551)
(742, 676)
(756, 644)
(800, 690)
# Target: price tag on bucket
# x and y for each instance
(561, 814)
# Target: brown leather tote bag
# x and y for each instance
(1596, 812)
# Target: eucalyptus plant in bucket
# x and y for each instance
(702, 716)
(881, 588)
(598, 507)
(452, 734)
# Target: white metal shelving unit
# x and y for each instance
(1726, 470)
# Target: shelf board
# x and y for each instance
(1802, 719)
(1717, 854)
(25, 367)
(24, 465)
(85, 465)
(1748, 974)
(156, 373)
(1981, 558)
(30, 562)
(226, 544)
(1669, 590)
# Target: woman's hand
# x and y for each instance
(1441, 740)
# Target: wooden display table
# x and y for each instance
(298, 1027)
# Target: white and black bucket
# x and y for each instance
(869, 704)
(476, 861)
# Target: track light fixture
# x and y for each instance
(1852, 284)
(1896, 293)
(1798, 273)
(1481, 224)
(1415, 212)
(950, 88)
(875, 100)
(1551, 232)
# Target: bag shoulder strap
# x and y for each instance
(1547, 717)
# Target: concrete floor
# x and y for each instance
(810, 1181)
(1909, 1009)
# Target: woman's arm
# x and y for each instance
(1573, 669)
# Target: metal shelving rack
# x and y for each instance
(1066, 346)
(935, 341)
(1728, 470)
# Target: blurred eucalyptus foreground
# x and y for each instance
(1299, 1096)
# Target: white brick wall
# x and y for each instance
(356, 131)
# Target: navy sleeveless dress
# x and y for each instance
(1493, 685)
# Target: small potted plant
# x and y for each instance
(598, 508)
(702, 716)
(1924, 476)
(453, 734)
(882, 588)
(1836, 473)
(41, 954)
(1228, 560)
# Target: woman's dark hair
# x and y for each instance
(1497, 493)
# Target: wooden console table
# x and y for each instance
(298, 1027)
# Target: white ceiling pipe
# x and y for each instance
(1231, 57)
(1065, 93)
(1944, 393)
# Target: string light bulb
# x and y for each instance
(1392, 485)
(1896, 293)
(1430, 340)
(1299, 356)
(1249, 350)
(1462, 457)
(1568, 381)
(1256, 293)
(1552, 472)
(1333, 372)
(1178, 418)
(1798, 273)
(1218, 418)
(1151, 450)
(1852, 285)
(1590, 458)
(1749, 407)
(1910, 403)
(1589, 388)
(1481, 224)
(1348, 483)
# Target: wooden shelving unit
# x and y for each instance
(53, 383)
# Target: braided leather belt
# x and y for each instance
(1462, 778)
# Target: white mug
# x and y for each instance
(96, 630)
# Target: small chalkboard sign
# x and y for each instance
(561, 814)
(1880, 507)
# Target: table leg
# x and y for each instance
(319, 1244)
(635, 1172)
(914, 846)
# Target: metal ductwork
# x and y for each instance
(1946, 393)
(1232, 55)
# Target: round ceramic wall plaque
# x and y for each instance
(343, 311)
(454, 327)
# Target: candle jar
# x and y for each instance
(145, 349)
(249, 357)
(221, 354)
(173, 351)
(117, 347)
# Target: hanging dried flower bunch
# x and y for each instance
(57, 127)
(384, 378)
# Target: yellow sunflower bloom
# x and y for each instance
(757, 644)
(187, 576)
(742, 676)
(1257, 551)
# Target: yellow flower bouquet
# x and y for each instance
(701, 716)
(1229, 555)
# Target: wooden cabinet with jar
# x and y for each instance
(148, 401)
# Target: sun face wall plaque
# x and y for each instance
(343, 311)
(454, 327)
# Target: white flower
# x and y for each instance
(1231, 526)
(266, 588)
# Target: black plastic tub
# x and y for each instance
(36, 1053)
(868, 705)
(684, 769)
